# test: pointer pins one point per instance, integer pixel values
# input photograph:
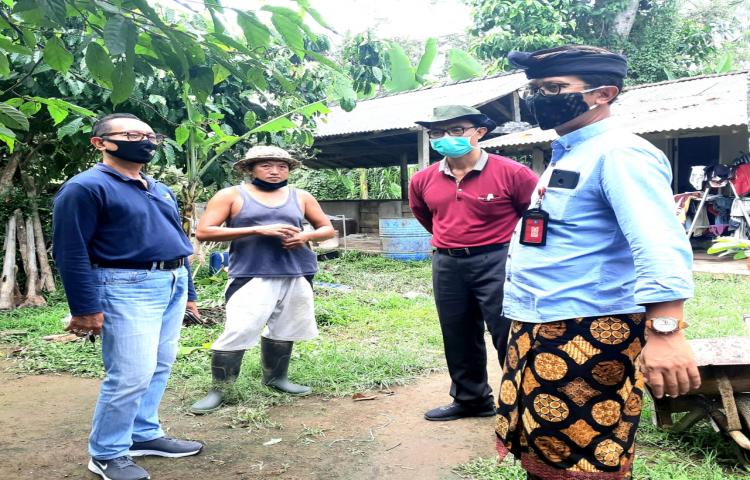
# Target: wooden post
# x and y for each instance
(537, 160)
(423, 149)
(516, 107)
(8, 281)
(404, 176)
(46, 279)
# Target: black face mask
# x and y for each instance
(268, 186)
(553, 111)
(137, 152)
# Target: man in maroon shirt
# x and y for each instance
(470, 201)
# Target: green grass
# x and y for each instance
(375, 337)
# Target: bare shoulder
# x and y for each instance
(304, 195)
(225, 196)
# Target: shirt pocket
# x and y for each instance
(559, 202)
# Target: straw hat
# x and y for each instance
(265, 152)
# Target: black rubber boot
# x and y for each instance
(274, 358)
(225, 368)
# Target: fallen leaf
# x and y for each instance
(62, 338)
(13, 333)
(360, 397)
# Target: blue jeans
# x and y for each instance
(143, 312)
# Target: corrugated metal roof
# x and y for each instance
(693, 103)
(399, 111)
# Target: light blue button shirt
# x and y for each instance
(613, 242)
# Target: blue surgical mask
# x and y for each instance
(452, 146)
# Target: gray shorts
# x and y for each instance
(283, 305)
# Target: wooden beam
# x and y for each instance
(516, 107)
(423, 149)
(537, 160)
(338, 139)
(404, 176)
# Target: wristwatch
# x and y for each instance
(665, 325)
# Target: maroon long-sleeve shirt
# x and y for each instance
(482, 208)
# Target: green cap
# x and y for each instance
(445, 113)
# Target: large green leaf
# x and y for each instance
(257, 78)
(57, 56)
(30, 108)
(323, 60)
(8, 137)
(403, 76)
(226, 42)
(181, 134)
(70, 128)
(220, 74)
(4, 65)
(278, 124)
(250, 119)
(291, 33)
(12, 47)
(313, 108)
(54, 9)
(99, 64)
(123, 82)
(57, 113)
(120, 35)
(425, 63)
(305, 5)
(13, 118)
(256, 34)
(169, 57)
(462, 65)
(201, 82)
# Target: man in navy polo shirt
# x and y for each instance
(122, 256)
(470, 201)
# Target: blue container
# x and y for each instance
(217, 261)
(405, 239)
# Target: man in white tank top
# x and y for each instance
(270, 268)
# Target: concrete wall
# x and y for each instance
(731, 145)
(367, 213)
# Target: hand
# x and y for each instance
(83, 325)
(668, 365)
(193, 308)
(296, 241)
(281, 230)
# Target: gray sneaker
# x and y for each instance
(120, 468)
(166, 447)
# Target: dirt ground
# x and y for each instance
(44, 422)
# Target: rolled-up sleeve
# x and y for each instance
(74, 218)
(637, 184)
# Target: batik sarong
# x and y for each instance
(571, 395)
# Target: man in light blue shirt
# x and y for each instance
(598, 266)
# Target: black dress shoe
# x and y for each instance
(454, 411)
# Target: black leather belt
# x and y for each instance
(469, 251)
(155, 265)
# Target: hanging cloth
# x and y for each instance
(742, 179)
(698, 176)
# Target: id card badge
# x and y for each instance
(534, 227)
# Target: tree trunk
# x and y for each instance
(8, 281)
(46, 278)
(363, 193)
(624, 20)
(33, 296)
(6, 177)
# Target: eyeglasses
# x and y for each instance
(549, 89)
(156, 138)
(453, 131)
